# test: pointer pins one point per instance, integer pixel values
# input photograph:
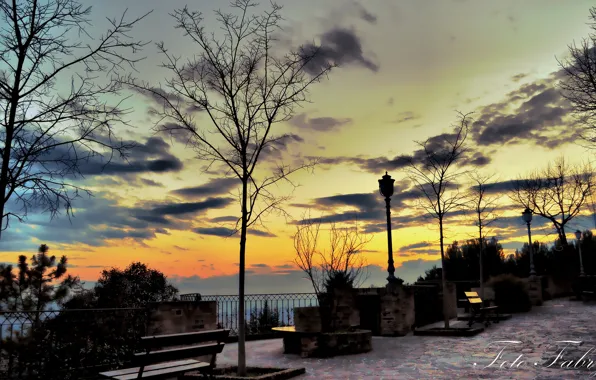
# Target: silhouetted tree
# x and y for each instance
(55, 110)
(28, 293)
(37, 284)
(557, 193)
(244, 89)
(579, 82)
(483, 206)
(262, 320)
(133, 287)
(435, 176)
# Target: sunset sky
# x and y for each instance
(405, 68)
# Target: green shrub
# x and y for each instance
(511, 293)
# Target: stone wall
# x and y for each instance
(397, 310)
(182, 316)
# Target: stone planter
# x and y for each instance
(307, 319)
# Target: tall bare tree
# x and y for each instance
(579, 82)
(55, 110)
(244, 88)
(558, 193)
(483, 206)
(435, 174)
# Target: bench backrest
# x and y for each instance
(473, 298)
(159, 349)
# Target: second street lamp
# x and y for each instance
(527, 216)
(386, 190)
(578, 236)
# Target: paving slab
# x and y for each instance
(553, 341)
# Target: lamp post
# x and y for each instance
(578, 236)
(386, 190)
(527, 216)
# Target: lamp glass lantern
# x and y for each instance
(386, 185)
(578, 235)
(527, 215)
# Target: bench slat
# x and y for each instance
(128, 371)
(177, 353)
(160, 341)
(164, 372)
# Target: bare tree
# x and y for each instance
(579, 84)
(244, 89)
(557, 193)
(484, 207)
(435, 176)
(341, 264)
(55, 112)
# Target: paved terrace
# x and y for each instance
(416, 357)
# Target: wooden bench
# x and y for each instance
(479, 312)
(160, 361)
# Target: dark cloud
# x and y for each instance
(150, 182)
(223, 219)
(535, 113)
(339, 46)
(365, 14)
(215, 231)
(183, 208)
(518, 77)
(152, 156)
(406, 116)
(216, 186)
(409, 247)
(228, 232)
(321, 124)
(261, 233)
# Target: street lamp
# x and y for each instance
(578, 236)
(527, 216)
(386, 190)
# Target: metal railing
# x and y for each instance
(274, 309)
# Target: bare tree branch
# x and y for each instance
(579, 83)
(558, 193)
(48, 130)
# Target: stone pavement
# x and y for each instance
(417, 357)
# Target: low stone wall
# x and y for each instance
(327, 344)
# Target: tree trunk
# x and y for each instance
(241, 265)
(443, 275)
(480, 264)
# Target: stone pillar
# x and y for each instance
(451, 300)
(535, 290)
(307, 319)
(397, 310)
